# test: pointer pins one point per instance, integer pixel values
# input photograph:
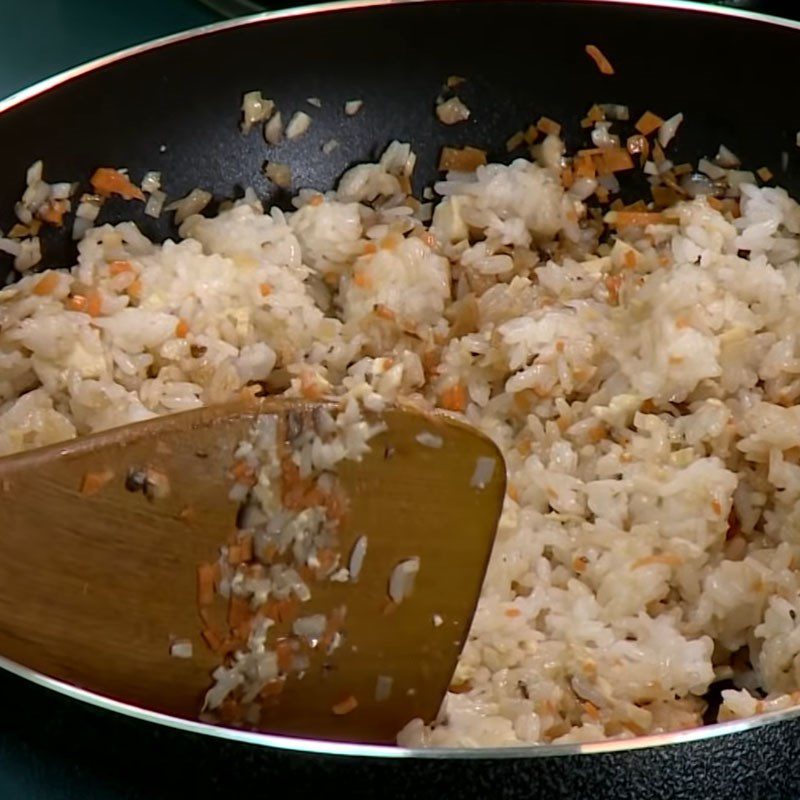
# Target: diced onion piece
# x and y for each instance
(484, 469)
(155, 203)
(181, 648)
(452, 111)
(728, 159)
(279, 174)
(352, 107)
(383, 688)
(298, 125)
(357, 556)
(273, 130)
(401, 581)
(329, 146)
(151, 181)
(666, 133)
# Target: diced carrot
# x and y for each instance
(362, 280)
(239, 612)
(310, 387)
(466, 159)
(584, 167)
(716, 506)
(681, 322)
(454, 398)
(648, 123)
(285, 654)
(548, 126)
(617, 159)
(596, 113)
(265, 289)
(390, 242)
(288, 609)
(613, 284)
(53, 212)
(316, 200)
(241, 552)
(181, 329)
(579, 564)
(531, 134)
(345, 706)
(629, 259)
(639, 218)
(134, 289)
(567, 177)
(119, 267)
(207, 576)
(591, 710)
(603, 64)
(513, 612)
(94, 303)
(384, 312)
(75, 302)
(47, 284)
(370, 248)
(670, 559)
(93, 482)
(764, 173)
(107, 181)
(460, 688)
(212, 638)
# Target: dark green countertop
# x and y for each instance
(42, 38)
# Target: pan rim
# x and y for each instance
(342, 749)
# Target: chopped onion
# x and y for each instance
(155, 203)
(312, 626)
(352, 107)
(329, 146)
(61, 191)
(181, 648)
(314, 101)
(279, 174)
(383, 687)
(30, 254)
(357, 556)
(428, 439)
(484, 469)
(727, 158)
(401, 582)
(452, 111)
(695, 184)
(582, 188)
(616, 112)
(666, 133)
(10, 246)
(151, 181)
(602, 137)
(255, 109)
(298, 125)
(273, 130)
(712, 170)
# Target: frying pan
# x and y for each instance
(173, 106)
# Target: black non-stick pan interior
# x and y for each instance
(175, 109)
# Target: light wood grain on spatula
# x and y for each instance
(95, 584)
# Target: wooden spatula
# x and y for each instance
(98, 572)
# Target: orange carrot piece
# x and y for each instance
(629, 259)
(93, 482)
(212, 638)
(345, 706)
(53, 212)
(649, 123)
(134, 290)
(454, 398)
(548, 126)
(602, 63)
(181, 329)
(513, 612)
(107, 181)
(239, 612)
(75, 302)
(362, 280)
(370, 248)
(466, 159)
(285, 654)
(384, 312)
(119, 267)
(617, 159)
(640, 218)
(207, 575)
(94, 303)
(47, 284)
(265, 289)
